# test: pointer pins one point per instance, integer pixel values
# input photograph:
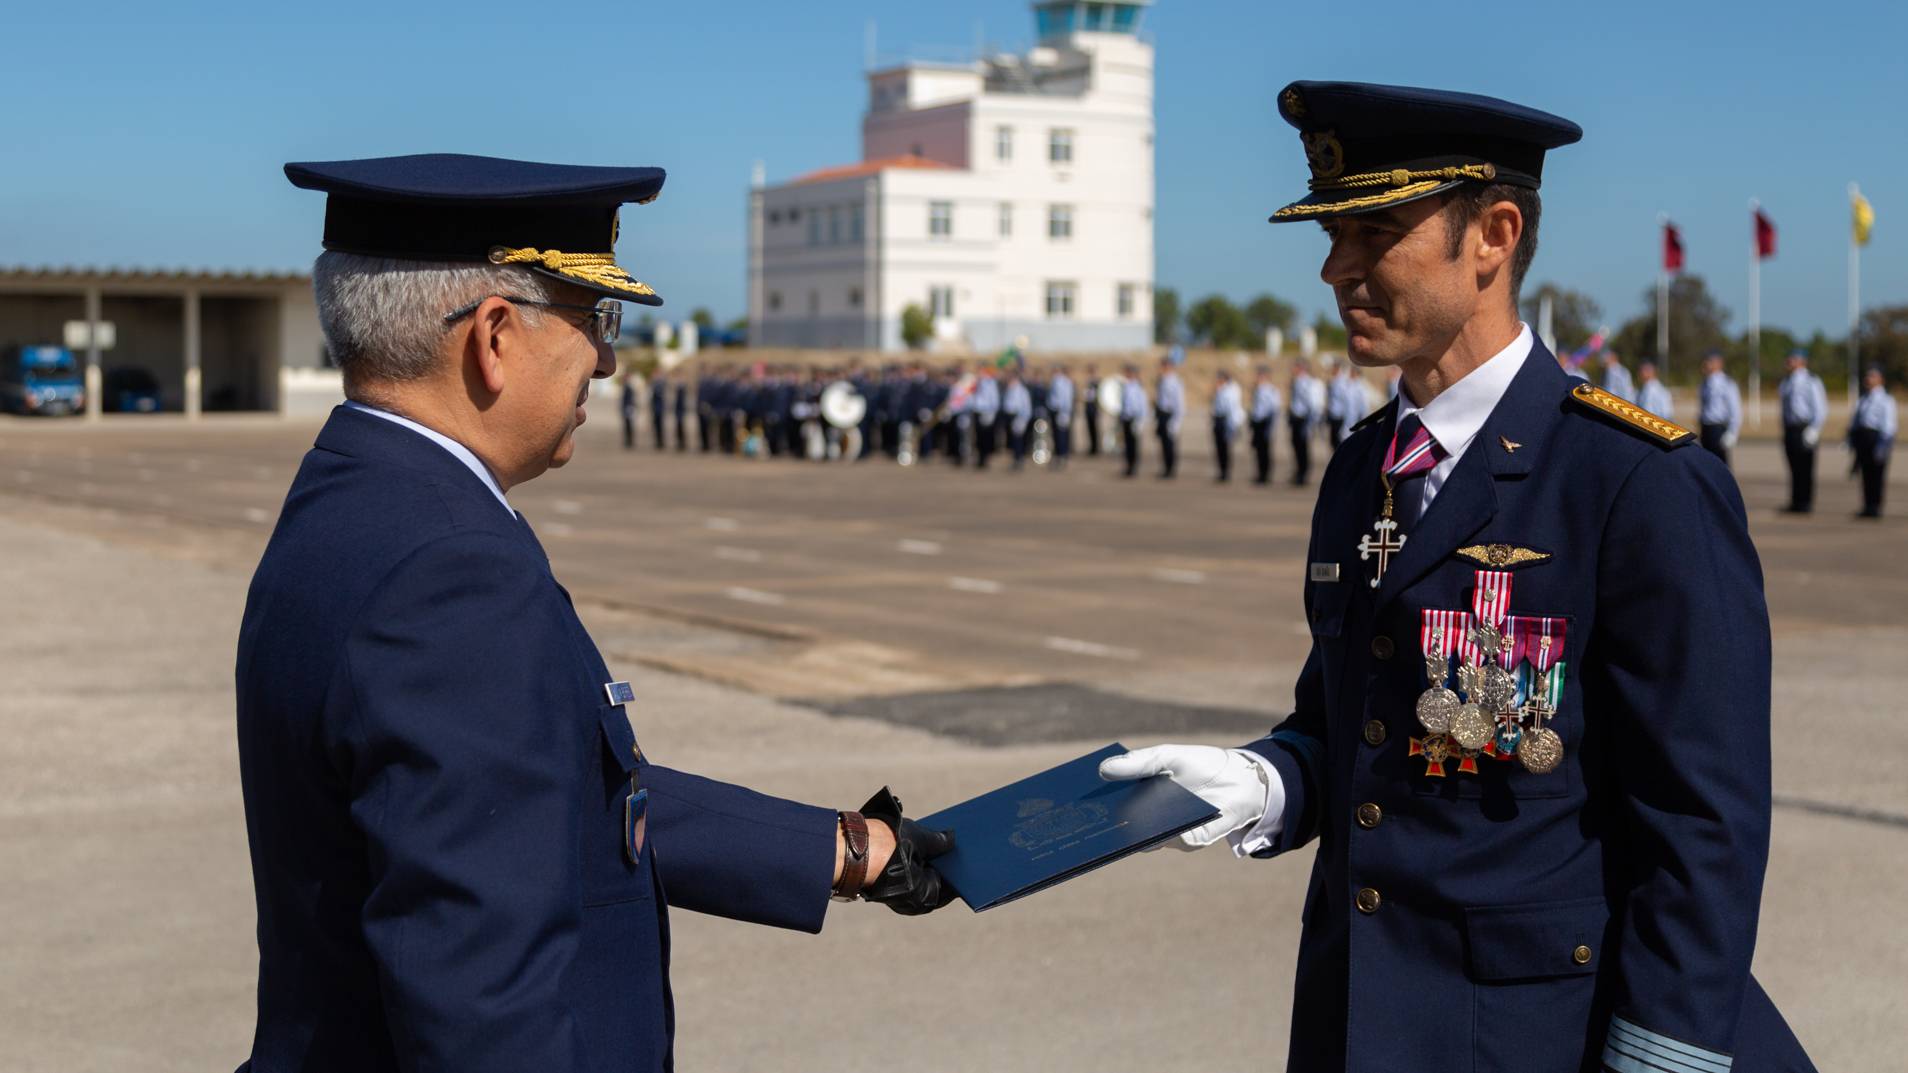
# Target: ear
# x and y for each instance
(1499, 230)
(496, 331)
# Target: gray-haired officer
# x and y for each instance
(1720, 412)
(1651, 395)
(1265, 412)
(1871, 439)
(1804, 412)
(1531, 739)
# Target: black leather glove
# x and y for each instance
(909, 885)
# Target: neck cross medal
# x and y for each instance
(1384, 540)
(1418, 453)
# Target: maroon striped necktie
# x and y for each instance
(1412, 454)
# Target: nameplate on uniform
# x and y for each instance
(619, 692)
(1324, 571)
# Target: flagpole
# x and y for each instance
(1755, 317)
(1854, 306)
(1662, 301)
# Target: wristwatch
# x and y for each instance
(854, 864)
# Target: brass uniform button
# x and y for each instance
(1581, 955)
(1374, 732)
(1369, 814)
(1368, 900)
(1382, 647)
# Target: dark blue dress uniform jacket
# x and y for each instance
(434, 792)
(1646, 846)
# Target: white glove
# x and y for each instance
(1729, 440)
(1226, 779)
(1811, 435)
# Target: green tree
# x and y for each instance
(1698, 324)
(704, 319)
(1574, 315)
(1331, 333)
(916, 327)
(1165, 314)
(738, 331)
(1265, 313)
(1883, 338)
(1215, 321)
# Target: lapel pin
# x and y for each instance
(619, 692)
(1510, 445)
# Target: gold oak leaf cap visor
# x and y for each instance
(556, 219)
(1370, 146)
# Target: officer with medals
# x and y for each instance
(462, 855)
(1532, 737)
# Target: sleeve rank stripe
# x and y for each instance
(1653, 1051)
(1631, 414)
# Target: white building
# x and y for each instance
(1008, 197)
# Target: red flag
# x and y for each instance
(1765, 236)
(1672, 248)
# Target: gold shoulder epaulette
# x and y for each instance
(1667, 433)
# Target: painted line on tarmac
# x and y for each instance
(1090, 648)
(567, 506)
(1181, 577)
(1846, 812)
(920, 547)
(257, 515)
(755, 596)
(974, 584)
(737, 555)
(721, 525)
(559, 529)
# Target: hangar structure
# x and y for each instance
(201, 341)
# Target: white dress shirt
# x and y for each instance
(457, 450)
(1454, 419)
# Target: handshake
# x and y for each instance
(883, 857)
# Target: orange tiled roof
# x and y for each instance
(867, 167)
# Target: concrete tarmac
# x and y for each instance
(816, 631)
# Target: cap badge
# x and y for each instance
(1323, 153)
(1293, 104)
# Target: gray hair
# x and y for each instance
(383, 317)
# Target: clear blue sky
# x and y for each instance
(151, 135)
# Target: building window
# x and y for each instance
(814, 303)
(940, 302)
(774, 217)
(940, 219)
(854, 223)
(1060, 301)
(794, 214)
(854, 298)
(1006, 219)
(775, 301)
(1060, 146)
(814, 228)
(1126, 300)
(1060, 222)
(1003, 144)
(834, 225)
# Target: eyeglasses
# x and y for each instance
(606, 316)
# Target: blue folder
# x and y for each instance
(1051, 827)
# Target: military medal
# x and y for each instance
(1470, 727)
(1541, 749)
(1401, 462)
(1439, 632)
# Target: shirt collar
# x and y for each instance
(457, 450)
(1456, 415)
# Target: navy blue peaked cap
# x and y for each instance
(1371, 146)
(556, 219)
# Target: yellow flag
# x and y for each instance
(1864, 217)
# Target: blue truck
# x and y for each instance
(41, 380)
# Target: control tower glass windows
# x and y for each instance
(1060, 18)
(854, 223)
(940, 219)
(1060, 145)
(1060, 222)
(814, 228)
(1004, 144)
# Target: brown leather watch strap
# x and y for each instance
(854, 864)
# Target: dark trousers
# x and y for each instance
(985, 429)
(1062, 440)
(725, 434)
(682, 434)
(1222, 446)
(629, 429)
(705, 429)
(1017, 443)
(656, 426)
(1336, 426)
(1715, 441)
(1168, 444)
(1801, 468)
(1301, 450)
(1130, 442)
(1873, 464)
(1262, 450)
(1093, 426)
